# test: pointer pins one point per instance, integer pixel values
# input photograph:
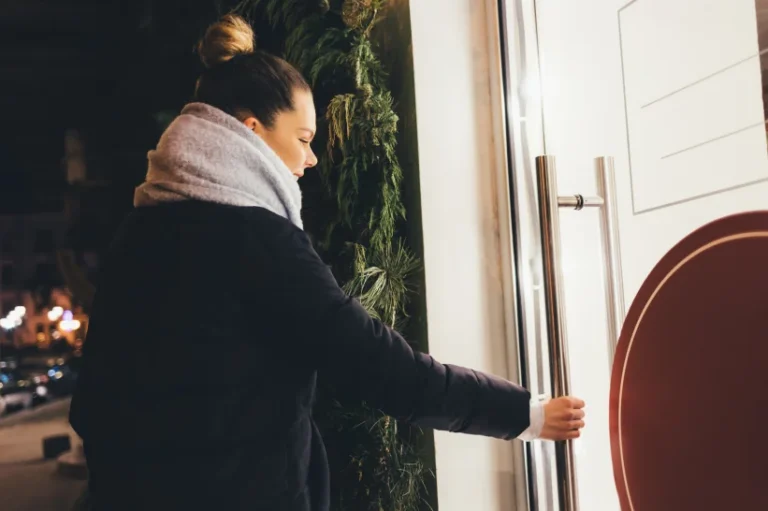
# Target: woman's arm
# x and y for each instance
(369, 361)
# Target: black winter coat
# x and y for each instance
(209, 326)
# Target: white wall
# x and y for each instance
(465, 219)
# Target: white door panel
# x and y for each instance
(672, 90)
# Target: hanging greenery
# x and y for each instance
(357, 214)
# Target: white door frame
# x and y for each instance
(465, 216)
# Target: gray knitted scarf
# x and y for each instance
(208, 155)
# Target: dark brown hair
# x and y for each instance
(242, 80)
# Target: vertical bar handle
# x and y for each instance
(550, 203)
(609, 218)
(549, 224)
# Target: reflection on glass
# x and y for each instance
(762, 41)
(526, 142)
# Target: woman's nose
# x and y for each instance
(312, 159)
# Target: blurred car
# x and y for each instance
(17, 392)
(52, 372)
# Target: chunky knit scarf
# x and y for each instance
(208, 155)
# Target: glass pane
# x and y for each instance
(523, 103)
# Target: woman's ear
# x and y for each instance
(254, 125)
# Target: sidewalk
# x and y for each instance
(27, 482)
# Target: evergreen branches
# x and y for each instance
(382, 284)
(362, 129)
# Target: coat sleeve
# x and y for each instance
(366, 360)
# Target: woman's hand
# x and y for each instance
(563, 419)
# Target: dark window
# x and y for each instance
(46, 274)
(41, 303)
(44, 241)
(7, 277)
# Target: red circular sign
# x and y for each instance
(689, 388)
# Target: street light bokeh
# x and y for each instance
(55, 313)
(14, 318)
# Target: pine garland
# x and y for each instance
(375, 462)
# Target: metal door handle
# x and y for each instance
(549, 204)
(614, 278)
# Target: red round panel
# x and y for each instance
(689, 389)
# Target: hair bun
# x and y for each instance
(225, 39)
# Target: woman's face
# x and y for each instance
(291, 134)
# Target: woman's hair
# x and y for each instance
(240, 79)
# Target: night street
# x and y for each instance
(27, 481)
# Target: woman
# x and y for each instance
(230, 313)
